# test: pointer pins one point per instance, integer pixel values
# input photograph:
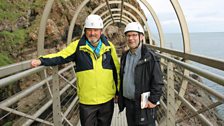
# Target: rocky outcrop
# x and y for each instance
(199, 99)
(25, 16)
(116, 35)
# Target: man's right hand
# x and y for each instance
(35, 62)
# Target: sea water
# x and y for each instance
(209, 44)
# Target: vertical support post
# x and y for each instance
(57, 118)
(170, 96)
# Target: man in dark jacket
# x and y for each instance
(140, 74)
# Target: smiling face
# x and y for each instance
(93, 35)
(133, 39)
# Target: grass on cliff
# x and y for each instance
(4, 59)
(11, 38)
(10, 42)
(8, 11)
(13, 10)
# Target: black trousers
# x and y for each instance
(130, 114)
(96, 115)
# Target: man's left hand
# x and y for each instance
(150, 105)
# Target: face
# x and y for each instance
(133, 39)
(93, 35)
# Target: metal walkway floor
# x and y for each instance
(119, 119)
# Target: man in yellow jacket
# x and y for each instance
(97, 70)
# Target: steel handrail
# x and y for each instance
(14, 68)
(10, 79)
(204, 73)
(212, 62)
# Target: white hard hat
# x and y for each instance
(134, 26)
(93, 21)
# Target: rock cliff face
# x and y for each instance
(19, 24)
(199, 99)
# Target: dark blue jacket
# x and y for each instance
(147, 77)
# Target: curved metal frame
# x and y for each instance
(124, 11)
(157, 22)
(43, 23)
(116, 18)
(105, 27)
(186, 44)
(117, 15)
(183, 26)
(176, 7)
(130, 6)
(72, 24)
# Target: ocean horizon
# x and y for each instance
(208, 44)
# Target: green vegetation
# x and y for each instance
(8, 10)
(10, 42)
(15, 40)
(38, 4)
(4, 5)
(9, 16)
(12, 38)
(4, 59)
(8, 124)
(12, 10)
(23, 5)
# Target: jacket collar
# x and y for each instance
(102, 37)
(144, 51)
(105, 45)
(145, 55)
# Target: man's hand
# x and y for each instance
(116, 99)
(35, 62)
(150, 105)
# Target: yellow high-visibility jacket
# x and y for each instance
(97, 78)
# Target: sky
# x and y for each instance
(201, 15)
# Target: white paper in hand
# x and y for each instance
(144, 99)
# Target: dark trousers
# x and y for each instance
(130, 114)
(96, 115)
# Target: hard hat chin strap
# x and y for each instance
(139, 40)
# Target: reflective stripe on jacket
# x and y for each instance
(97, 78)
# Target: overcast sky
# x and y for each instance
(201, 15)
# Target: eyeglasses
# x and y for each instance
(131, 35)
